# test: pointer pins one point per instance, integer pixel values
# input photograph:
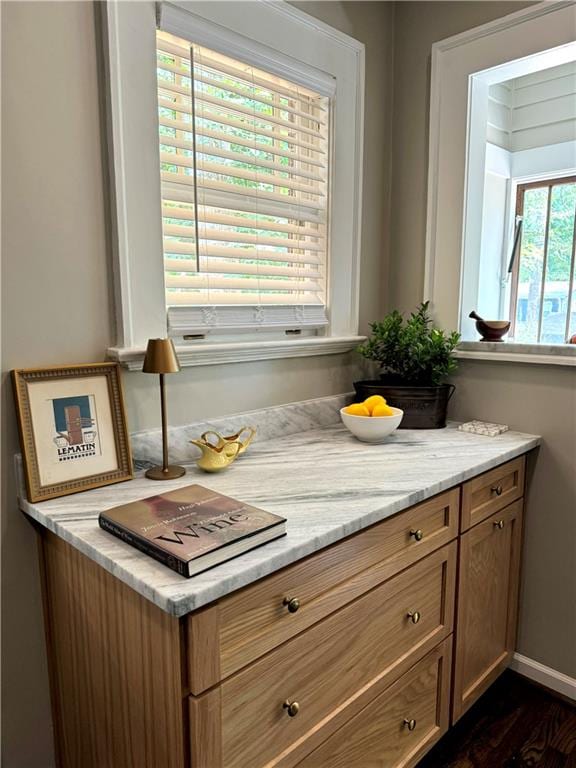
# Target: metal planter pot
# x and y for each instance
(424, 407)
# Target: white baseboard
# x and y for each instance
(556, 681)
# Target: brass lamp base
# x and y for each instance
(171, 472)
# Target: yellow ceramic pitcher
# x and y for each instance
(221, 440)
(215, 458)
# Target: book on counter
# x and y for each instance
(193, 528)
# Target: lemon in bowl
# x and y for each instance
(371, 421)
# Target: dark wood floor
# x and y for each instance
(514, 725)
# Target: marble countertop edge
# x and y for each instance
(188, 595)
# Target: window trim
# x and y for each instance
(509, 352)
(218, 353)
(132, 135)
(539, 30)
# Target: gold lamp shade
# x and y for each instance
(160, 357)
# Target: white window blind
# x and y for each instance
(244, 163)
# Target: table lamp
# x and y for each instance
(161, 358)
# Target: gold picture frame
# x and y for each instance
(73, 429)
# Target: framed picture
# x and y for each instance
(73, 428)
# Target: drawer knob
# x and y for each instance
(292, 708)
(497, 489)
(417, 534)
(499, 524)
(410, 724)
(292, 603)
(414, 616)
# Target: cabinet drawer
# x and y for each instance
(493, 490)
(399, 726)
(257, 619)
(332, 669)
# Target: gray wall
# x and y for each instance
(532, 398)
(56, 288)
(55, 298)
(54, 244)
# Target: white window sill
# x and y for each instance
(509, 351)
(193, 354)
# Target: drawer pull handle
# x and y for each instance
(410, 724)
(499, 524)
(291, 707)
(497, 489)
(292, 603)
(417, 534)
(414, 616)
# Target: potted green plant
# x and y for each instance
(416, 358)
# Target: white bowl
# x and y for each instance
(372, 429)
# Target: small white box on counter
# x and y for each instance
(483, 428)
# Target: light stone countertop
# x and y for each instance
(325, 482)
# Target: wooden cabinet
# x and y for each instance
(487, 604)
(356, 671)
(336, 667)
(114, 663)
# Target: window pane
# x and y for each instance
(245, 168)
(560, 239)
(531, 264)
(572, 325)
(572, 329)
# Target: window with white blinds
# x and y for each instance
(245, 166)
